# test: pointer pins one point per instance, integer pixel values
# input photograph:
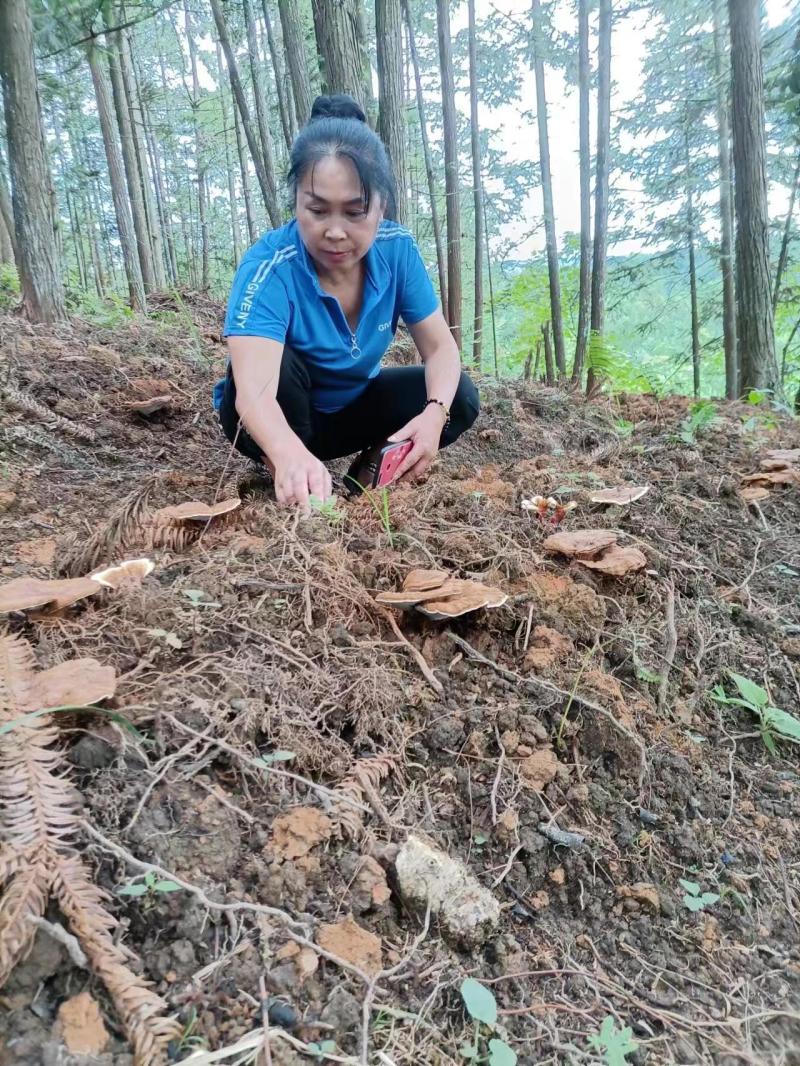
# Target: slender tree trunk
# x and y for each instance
(199, 149)
(785, 240)
(131, 84)
(551, 241)
(127, 239)
(162, 191)
(600, 249)
(6, 248)
(267, 191)
(585, 166)
(392, 113)
(753, 277)
(370, 104)
(277, 66)
(296, 58)
(426, 153)
(450, 170)
(234, 207)
(262, 114)
(549, 366)
(34, 220)
(491, 287)
(93, 214)
(722, 78)
(477, 187)
(7, 214)
(339, 43)
(691, 239)
(143, 249)
(252, 230)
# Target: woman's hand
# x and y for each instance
(425, 432)
(299, 475)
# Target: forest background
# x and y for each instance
(165, 130)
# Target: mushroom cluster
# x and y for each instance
(440, 597)
(781, 466)
(597, 549)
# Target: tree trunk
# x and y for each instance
(450, 171)
(725, 209)
(551, 240)
(753, 279)
(162, 187)
(477, 188)
(549, 367)
(34, 221)
(600, 249)
(691, 238)
(131, 85)
(267, 191)
(426, 152)
(234, 207)
(6, 248)
(585, 165)
(7, 216)
(296, 57)
(339, 43)
(122, 211)
(262, 113)
(143, 249)
(199, 149)
(252, 229)
(287, 117)
(392, 114)
(787, 234)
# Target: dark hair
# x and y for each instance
(338, 127)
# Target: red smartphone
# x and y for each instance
(376, 467)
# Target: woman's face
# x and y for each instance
(335, 227)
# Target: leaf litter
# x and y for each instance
(297, 657)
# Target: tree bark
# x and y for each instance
(286, 115)
(252, 230)
(585, 167)
(600, 249)
(450, 171)
(143, 248)
(753, 279)
(785, 240)
(477, 188)
(426, 153)
(392, 112)
(725, 208)
(549, 367)
(7, 216)
(551, 241)
(34, 221)
(262, 114)
(199, 149)
(122, 211)
(690, 240)
(296, 57)
(339, 43)
(267, 191)
(234, 208)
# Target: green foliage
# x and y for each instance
(695, 899)
(9, 286)
(612, 1044)
(328, 508)
(773, 722)
(482, 1008)
(702, 416)
(320, 1050)
(148, 885)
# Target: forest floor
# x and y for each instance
(257, 668)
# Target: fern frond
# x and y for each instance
(29, 405)
(125, 528)
(26, 897)
(347, 819)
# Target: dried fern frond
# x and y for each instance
(124, 529)
(26, 897)
(28, 405)
(366, 774)
(141, 1010)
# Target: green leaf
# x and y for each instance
(468, 1051)
(769, 743)
(691, 887)
(277, 756)
(120, 719)
(479, 1001)
(615, 1044)
(708, 898)
(197, 598)
(132, 890)
(500, 1054)
(782, 722)
(166, 886)
(693, 903)
(750, 691)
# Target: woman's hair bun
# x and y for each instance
(337, 105)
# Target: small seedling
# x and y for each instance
(329, 508)
(482, 1008)
(197, 598)
(695, 899)
(149, 886)
(380, 505)
(172, 639)
(322, 1049)
(702, 416)
(772, 721)
(624, 427)
(276, 756)
(612, 1044)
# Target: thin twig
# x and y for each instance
(262, 988)
(498, 775)
(504, 872)
(59, 933)
(419, 658)
(672, 647)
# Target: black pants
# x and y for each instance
(390, 400)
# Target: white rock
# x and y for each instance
(468, 913)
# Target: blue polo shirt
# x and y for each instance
(276, 294)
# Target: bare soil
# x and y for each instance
(259, 635)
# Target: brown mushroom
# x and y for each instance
(773, 477)
(150, 406)
(28, 593)
(423, 580)
(128, 574)
(621, 496)
(754, 493)
(75, 683)
(199, 512)
(785, 455)
(466, 596)
(580, 543)
(617, 561)
(410, 598)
